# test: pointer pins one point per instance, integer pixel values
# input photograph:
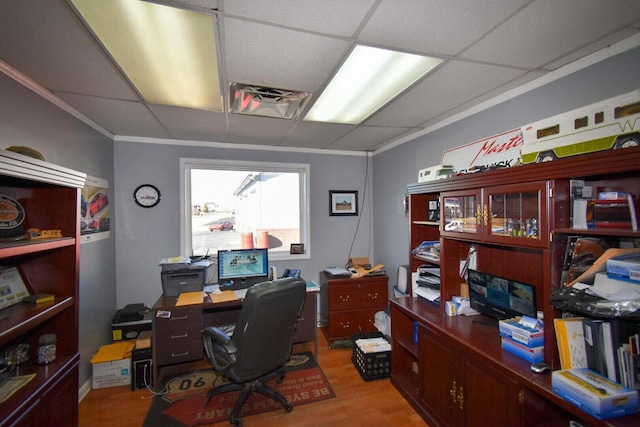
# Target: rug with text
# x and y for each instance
(181, 401)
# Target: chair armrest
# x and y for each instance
(216, 334)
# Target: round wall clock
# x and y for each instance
(147, 195)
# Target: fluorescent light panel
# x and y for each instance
(368, 79)
(169, 54)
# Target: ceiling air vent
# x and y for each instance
(266, 101)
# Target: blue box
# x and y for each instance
(594, 393)
(532, 354)
(625, 267)
(513, 330)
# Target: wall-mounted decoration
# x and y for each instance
(147, 195)
(95, 214)
(343, 203)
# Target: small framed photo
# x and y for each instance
(297, 248)
(343, 203)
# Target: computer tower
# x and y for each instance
(141, 368)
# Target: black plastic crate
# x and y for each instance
(371, 366)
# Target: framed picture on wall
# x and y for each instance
(343, 203)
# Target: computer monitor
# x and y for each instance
(242, 264)
(499, 297)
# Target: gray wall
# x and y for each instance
(396, 168)
(26, 119)
(123, 268)
(145, 236)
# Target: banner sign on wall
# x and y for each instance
(94, 210)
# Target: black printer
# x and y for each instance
(178, 277)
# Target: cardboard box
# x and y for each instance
(532, 354)
(512, 329)
(112, 365)
(111, 374)
(593, 393)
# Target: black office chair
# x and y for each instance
(260, 345)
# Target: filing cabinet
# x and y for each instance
(352, 304)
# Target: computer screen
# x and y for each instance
(499, 297)
(242, 263)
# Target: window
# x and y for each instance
(234, 205)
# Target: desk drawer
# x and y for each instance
(179, 352)
(358, 295)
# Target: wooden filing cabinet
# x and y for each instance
(178, 337)
(352, 304)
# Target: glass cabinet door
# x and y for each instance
(513, 214)
(461, 213)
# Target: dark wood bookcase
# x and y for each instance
(453, 369)
(50, 196)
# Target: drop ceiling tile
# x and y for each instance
(546, 30)
(315, 134)
(257, 130)
(278, 57)
(336, 17)
(593, 47)
(196, 125)
(46, 41)
(118, 117)
(436, 27)
(366, 138)
(455, 83)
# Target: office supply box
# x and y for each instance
(190, 279)
(514, 330)
(112, 365)
(531, 354)
(593, 393)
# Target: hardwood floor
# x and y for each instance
(357, 402)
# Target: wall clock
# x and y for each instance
(147, 195)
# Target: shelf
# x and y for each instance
(24, 247)
(22, 317)
(433, 223)
(599, 232)
(45, 374)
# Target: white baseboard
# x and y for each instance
(84, 390)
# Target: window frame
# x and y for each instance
(302, 169)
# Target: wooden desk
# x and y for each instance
(176, 339)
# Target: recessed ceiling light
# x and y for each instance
(168, 54)
(368, 79)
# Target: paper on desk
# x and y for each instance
(190, 298)
(223, 296)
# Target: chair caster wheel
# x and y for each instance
(288, 407)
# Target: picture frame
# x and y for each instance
(297, 248)
(343, 202)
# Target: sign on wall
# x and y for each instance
(95, 221)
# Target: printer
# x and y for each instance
(182, 275)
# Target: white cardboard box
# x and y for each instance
(112, 373)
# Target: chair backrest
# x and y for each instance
(263, 335)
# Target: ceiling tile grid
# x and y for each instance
(489, 48)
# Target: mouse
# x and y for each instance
(539, 367)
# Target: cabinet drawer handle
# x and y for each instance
(179, 354)
(344, 298)
(452, 392)
(461, 398)
(179, 336)
(374, 295)
(345, 325)
(186, 316)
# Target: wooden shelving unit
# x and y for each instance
(473, 359)
(50, 196)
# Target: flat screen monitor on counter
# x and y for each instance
(499, 297)
(242, 264)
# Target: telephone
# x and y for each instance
(291, 273)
